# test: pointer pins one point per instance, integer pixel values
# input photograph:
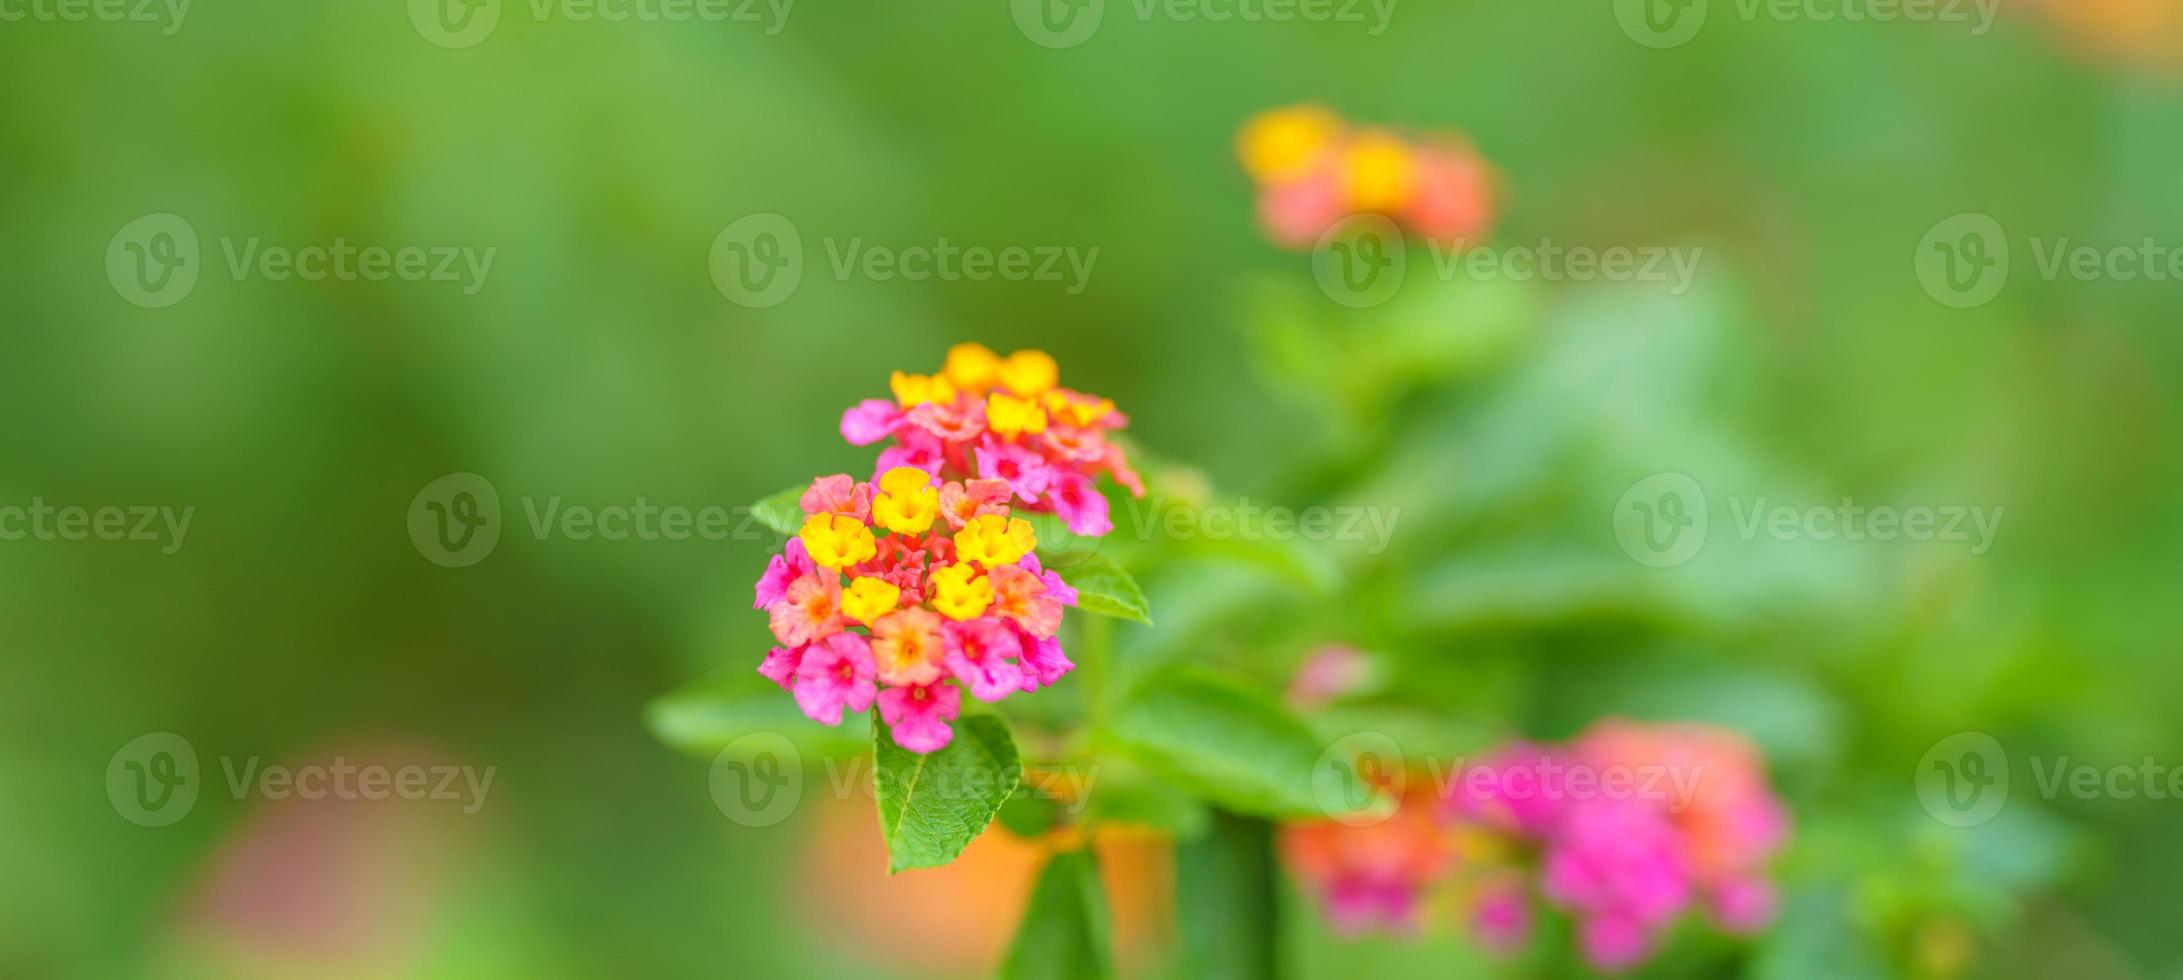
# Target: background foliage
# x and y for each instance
(600, 364)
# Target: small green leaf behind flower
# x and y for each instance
(931, 806)
(782, 512)
(1104, 589)
(703, 717)
(1066, 933)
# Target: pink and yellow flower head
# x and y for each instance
(1625, 829)
(896, 591)
(984, 421)
(1313, 170)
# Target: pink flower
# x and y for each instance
(839, 494)
(956, 422)
(810, 611)
(919, 714)
(782, 570)
(961, 501)
(916, 448)
(835, 674)
(1056, 586)
(1328, 673)
(982, 653)
(1613, 943)
(899, 562)
(1043, 662)
(1296, 214)
(780, 665)
(1077, 501)
(1020, 597)
(1025, 472)
(1506, 790)
(871, 420)
(1501, 914)
(1742, 905)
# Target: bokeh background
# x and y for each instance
(600, 363)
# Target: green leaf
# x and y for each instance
(1221, 739)
(1102, 587)
(705, 717)
(1227, 898)
(783, 512)
(932, 805)
(1121, 797)
(1065, 933)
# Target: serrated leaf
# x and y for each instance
(931, 806)
(1228, 743)
(1103, 588)
(782, 512)
(1066, 933)
(705, 717)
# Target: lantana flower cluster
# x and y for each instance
(1695, 827)
(1313, 170)
(1006, 430)
(909, 588)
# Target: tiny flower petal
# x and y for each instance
(919, 714)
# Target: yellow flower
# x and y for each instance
(957, 595)
(1030, 372)
(867, 599)
(837, 541)
(1079, 411)
(991, 540)
(1380, 173)
(916, 389)
(1283, 145)
(972, 367)
(1010, 416)
(907, 502)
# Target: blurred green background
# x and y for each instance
(600, 363)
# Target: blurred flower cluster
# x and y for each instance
(924, 576)
(1623, 829)
(1313, 170)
